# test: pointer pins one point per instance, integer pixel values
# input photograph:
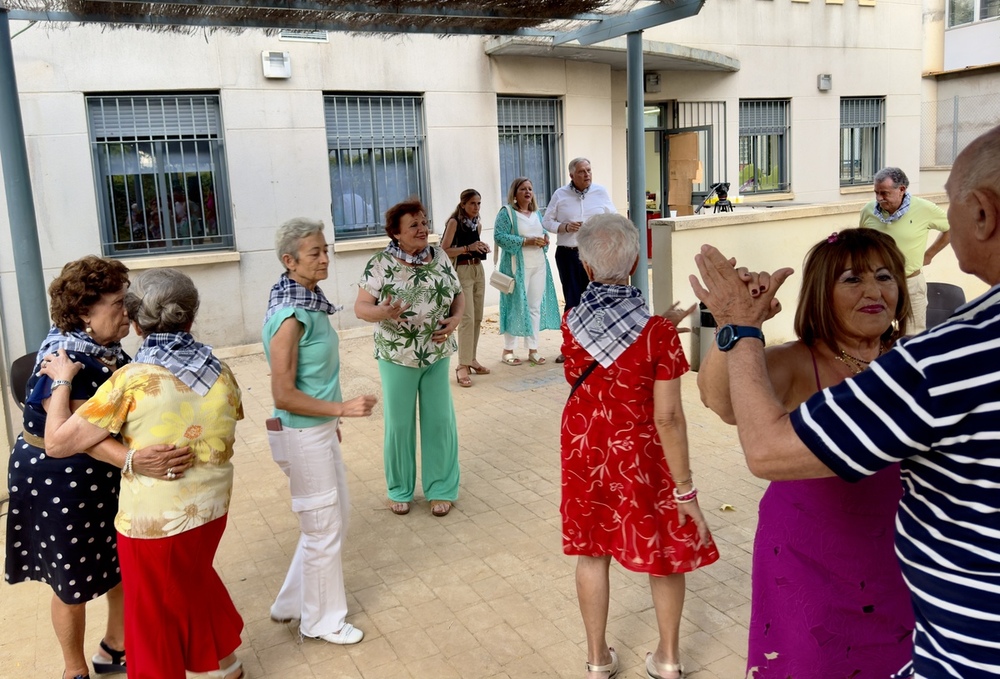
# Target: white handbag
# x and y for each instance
(498, 279)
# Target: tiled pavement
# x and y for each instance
(482, 593)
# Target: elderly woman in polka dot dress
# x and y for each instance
(60, 524)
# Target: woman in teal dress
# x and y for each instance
(532, 306)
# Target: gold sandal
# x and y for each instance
(611, 668)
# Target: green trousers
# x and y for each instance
(403, 388)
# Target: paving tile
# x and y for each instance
(484, 593)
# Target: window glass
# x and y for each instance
(375, 146)
(160, 170)
(530, 131)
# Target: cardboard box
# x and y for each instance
(683, 210)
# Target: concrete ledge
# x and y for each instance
(372, 244)
(175, 261)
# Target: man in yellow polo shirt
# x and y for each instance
(907, 219)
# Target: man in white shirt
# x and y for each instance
(568, 209)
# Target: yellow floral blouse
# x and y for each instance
(148, 405)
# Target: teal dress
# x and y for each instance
(514, 318)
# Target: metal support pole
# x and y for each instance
(20, 204)
(636, 134)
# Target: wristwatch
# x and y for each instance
(728, 335)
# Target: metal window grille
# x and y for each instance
(160, 170)
(376, 152)
(862, 139)
(531, 132)
(710, 116)
(765, 140)
(303, 35)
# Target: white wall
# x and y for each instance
(275, 141)
(974, 44)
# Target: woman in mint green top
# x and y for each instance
(412, 294)
(301, 348)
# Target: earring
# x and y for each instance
(88, 330)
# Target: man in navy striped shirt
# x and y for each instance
(932, 403)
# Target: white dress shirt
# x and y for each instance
(569, 205)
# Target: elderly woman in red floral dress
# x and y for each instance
(627, 490)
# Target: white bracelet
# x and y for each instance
(61, 383)
(127, 468)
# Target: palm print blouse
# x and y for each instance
(429, 289)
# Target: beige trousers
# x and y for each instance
(473, 281)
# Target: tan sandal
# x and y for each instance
(535, 359)
(399, 508)
(658, 670)
(463, 381)
(479, 370)
(611, 668)
(440, 507)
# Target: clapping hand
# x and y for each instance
(675, 315)
(736, 296)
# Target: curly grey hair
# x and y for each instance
(162, 300)
(897, 176)
(289, 234)
(609, 244)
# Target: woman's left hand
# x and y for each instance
(675, 315)
(59, 366)
(690, 511)
(445, 328)
(162, 461)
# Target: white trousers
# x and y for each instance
(313, 591)
(917, 287)
(534, 287)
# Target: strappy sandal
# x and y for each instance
(479, 370)
(509, 358)
(440, 508)
(535, 359)
(656, 670)
(463, 381)
(399, 508)
(114, 666)
(611, 668)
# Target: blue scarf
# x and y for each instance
(288, 293)
(608, 320)
(190, 361)
(78, 341)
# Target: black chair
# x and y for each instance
(20, 372)
(942, 300)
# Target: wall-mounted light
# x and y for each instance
(824, 82)
(276, 64)
(651, 83)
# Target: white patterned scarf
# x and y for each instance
(895, 216)
(79, 341)
(608, 320)
(190, 361)
(288, 293)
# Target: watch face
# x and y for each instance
(725, 337)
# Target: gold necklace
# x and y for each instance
(857, 365)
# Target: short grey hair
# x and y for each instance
(162, 300)
(576, 161)
(609, 244)
(289, 234)
(897, 176)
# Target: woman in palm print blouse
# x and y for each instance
(411, 292)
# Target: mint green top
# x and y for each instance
(318, 371)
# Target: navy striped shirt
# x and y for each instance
(932, 403)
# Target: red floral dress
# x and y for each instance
(617, 492)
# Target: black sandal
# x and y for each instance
(114, 666)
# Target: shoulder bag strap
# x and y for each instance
(513, 228)
(581, 378)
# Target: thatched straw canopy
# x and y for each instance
(483, 17)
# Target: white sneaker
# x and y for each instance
(348, 634)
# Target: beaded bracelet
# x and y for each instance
(127, 468)
(684, 498)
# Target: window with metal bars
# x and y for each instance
(765, 140)
(862, 139)
(160, 170)
(530, 131)
(376, 153)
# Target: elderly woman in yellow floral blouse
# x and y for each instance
(178, 614)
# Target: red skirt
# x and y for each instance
(178, 614)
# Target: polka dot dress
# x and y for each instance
(60, 523)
